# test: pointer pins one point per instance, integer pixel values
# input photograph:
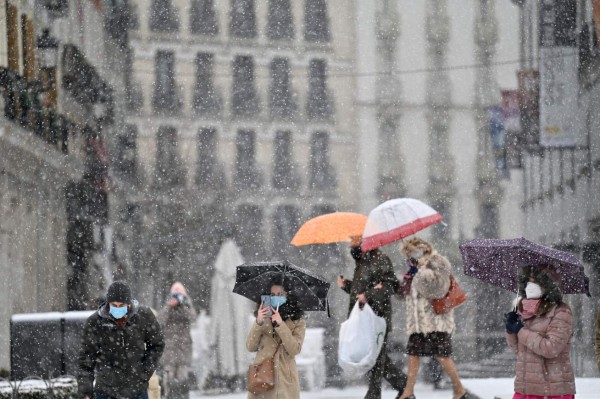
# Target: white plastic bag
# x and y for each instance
(361, 339)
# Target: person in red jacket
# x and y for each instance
(540, 332)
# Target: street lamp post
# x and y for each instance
(48, 59)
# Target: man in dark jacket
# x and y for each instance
(121, 347)
(374, 282)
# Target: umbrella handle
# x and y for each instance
(515, 303)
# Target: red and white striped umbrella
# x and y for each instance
(396, 219)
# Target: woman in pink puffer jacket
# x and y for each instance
(540, 332)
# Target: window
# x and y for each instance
(283, 176)
(244, 97)
(316, 22)
(247, 175)
(127, 152)
(163, 17)
(206, 100)
(282, 100)
(169, 171)
(281, 22)
(319, 105)
(249, 231)
(203, 19)
(165, 93)
(286, 221)
(208, 172)
(322, 176)
(243, 19)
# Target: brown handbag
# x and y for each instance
(455, 297)
(261, 376)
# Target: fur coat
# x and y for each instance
(432, 281)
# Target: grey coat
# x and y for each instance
(176, 323)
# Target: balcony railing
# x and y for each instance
(22, 106)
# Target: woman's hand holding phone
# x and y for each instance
(263, 313)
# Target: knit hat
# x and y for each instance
(119, 291)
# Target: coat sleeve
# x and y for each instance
(155, 344)
(191, 312)
(513, 342)
(384, 274)
(598, 340)
(557, 336)
(255, 333)
(87, 359)
(292, 340)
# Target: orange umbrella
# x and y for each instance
(330, 228)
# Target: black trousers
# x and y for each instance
(384, 368)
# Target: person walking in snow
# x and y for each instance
(429, 333)
(539, 332)
(374, 282)
(598, 340)
(120, 349)
(176, 319)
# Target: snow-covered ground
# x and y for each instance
(488, 388)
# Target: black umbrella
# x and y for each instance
(253, 279)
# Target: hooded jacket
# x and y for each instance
(542, 346)
(120, 359)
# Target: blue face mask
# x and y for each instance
(277, 301)
(118, 312)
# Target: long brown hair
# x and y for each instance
(542, 275)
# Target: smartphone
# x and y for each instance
(266, 303)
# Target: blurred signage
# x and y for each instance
(558, 73)
(497, 132)
(512, 125)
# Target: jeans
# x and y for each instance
(141, 395)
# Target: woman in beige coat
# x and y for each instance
(540, 332)
(279, 336)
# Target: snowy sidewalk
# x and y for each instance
(487, 388)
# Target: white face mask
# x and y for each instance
(418, 254)
(533, 291)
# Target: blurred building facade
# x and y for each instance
(560, 96)
(428, 74)
(57, 72)
(241, 125)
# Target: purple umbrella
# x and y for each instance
(498, 262)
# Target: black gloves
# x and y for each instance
(513, 322)
(412, 271)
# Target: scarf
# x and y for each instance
(529, 308)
